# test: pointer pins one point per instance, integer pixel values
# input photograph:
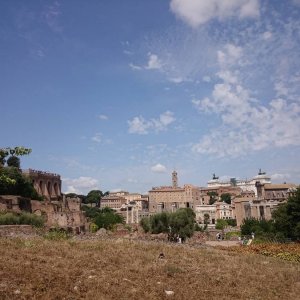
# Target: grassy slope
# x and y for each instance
(120, 269)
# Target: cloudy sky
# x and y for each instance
(117, 94)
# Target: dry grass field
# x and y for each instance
(123, 269)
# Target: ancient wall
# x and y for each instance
(14, 203)
(64, 214)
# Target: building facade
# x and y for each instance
(171, 198)
(269, 196)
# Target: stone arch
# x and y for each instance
(49, 188)
(56, 189)
(41, 186)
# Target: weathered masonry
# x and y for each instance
(46, 184)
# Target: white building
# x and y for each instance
(245, 185)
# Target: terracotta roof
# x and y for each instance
(271, 186)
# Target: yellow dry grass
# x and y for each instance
(122, 269)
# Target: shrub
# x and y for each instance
(198, 228)
(107, 219)
(93, 227)
(31, 219)
(128, 227)
(57, 234)
(11, 218)
(257, 226)
(145, 223)
(221, 224)
(229, 235)
(231, 222)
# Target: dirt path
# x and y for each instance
(222, 243)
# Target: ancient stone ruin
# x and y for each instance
(57, 211)
(46, 184)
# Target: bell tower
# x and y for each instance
(174, 179)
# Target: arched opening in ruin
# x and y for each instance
(49, 188)
(56, 188)
(41, 186)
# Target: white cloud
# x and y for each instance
(206, 78)
(135, 67)
(51, 16)
(97, 138)
(153, 62)
(176, 79)
(139, 125)
(132, 180)
(80, 185)
(229, 55)
(279, 176)
(103, 117)
(267, 35)
(165, 119)
(296, 2)
(72, 189)
(247, 125)
(198, 12)
(158, 168)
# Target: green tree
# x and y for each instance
(180, 223)
(160, 223)
(95, 197)
(13, 161)
(91, 212)
(226, 197)
(13, 182)
(287, 217)
(71, 195)
(221, 224)
(206, 218)
(107, 219)
(213, 197)
(17, 151)
(259, 227)
(231, 222)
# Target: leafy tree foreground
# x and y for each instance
(177, 224)
(12, 181)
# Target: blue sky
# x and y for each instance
(116, 94)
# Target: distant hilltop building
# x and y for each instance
(170, 198)
(244, 185)
(132, 206)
